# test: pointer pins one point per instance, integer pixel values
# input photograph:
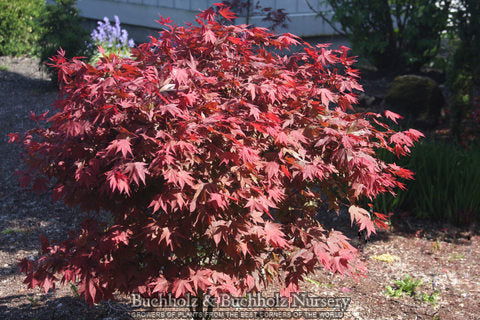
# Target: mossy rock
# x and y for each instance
(417, 98)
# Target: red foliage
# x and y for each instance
(213, 154)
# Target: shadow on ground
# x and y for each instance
(48, 307)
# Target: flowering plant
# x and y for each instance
(111, 38)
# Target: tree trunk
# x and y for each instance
(199, 312)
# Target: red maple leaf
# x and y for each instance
(326, 96)
(274, 235)
(201, 279)
(392, 116)
(160, 285)
(209, 36)
(362, 218)
(122, 145)
(136, 171)
(180, 75)
(118, 181)
(227, 13)
(182, 287)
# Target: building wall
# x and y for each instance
(291, 6)
(143, 13)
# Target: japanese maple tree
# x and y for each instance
(213, 151)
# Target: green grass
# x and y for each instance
(456, 257)
(318, 284)
(3, 68)
(8, 231)
(33, 301)
(74, 289)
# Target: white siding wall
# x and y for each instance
(292, 6)
(303, 21)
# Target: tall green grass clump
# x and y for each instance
(446, 186)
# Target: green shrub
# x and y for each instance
(19, 26)
(63, 29)
(391, 34)
(446, 185)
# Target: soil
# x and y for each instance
(445, 258)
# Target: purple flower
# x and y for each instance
(110, 35)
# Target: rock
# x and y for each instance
(416, 98)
